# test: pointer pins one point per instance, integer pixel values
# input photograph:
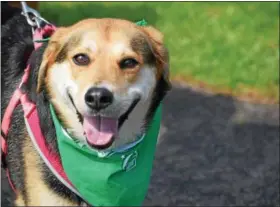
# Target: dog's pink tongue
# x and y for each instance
(100, 130)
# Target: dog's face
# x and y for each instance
(102, 77)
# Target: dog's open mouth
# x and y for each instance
(101, 131)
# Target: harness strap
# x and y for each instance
(33, 127)
(50, 158)
(10, 181)
(5, 126)
(17, 98)
(6, 122)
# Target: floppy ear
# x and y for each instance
(50, 54)
(161, 54)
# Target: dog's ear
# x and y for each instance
(160, 52)
(50, 54)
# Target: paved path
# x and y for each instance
(214, 151)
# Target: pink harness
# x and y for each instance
(32, 120)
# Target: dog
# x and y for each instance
(93, 70)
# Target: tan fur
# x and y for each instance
(104, 65)
(19, 200)
(38, 193)
(106, 45)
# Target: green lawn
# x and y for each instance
(229, 46)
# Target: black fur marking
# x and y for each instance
(7, 12)
(3, 161)
(140, 45)
(15, 42)
(124, 116)
(62, 55)
(15, 161)
(80, 117)
(159, 93)
(2, 134)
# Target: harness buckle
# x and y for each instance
(33, 17)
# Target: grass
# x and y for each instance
(229, 47)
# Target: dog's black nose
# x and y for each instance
(98, 98)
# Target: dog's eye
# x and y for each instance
(128, 63)
(81, 59)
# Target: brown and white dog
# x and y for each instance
(105, 78)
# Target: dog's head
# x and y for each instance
(105, 77)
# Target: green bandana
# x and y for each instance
(116, 178)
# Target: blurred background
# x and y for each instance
(219, 142)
